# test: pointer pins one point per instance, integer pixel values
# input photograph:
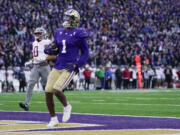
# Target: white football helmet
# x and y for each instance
(71, 19)
(40, 33)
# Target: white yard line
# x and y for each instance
(126, 97)
(79, 102)
(102, 115)
(149, 98)
(47, 132)
(98, 100)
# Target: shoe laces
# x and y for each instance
(66, 109)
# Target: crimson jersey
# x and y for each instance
(38, 49)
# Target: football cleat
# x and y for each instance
(24, 106)
(66, 113)
(53, 122)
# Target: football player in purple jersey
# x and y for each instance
(71, 46)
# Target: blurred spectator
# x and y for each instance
(126, 77)
(93, 77)
(134, 77)
(118, 75)
(178, 72)
(101, 75)
(16, 70)
(174, 74)
(159, 76)
(108, 78)
(118, 30)
(22, 80)
(87, 76)
(7, 84)
(151, 74)
(113, 84)
(146, 78)
(81, 78)
(154, 78)
(168, 75)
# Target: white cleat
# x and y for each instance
(66, 113)
(53, 122)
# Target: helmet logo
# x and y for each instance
(71, 18)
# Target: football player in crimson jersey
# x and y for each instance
(41, 68)
(68, 42)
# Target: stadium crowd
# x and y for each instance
(118, 30)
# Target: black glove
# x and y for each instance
(52, 50)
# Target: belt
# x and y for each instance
(41, 64)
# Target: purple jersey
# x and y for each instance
(70, 44)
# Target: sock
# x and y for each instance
(54, 118)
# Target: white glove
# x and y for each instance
(28, 63)
(40, 59)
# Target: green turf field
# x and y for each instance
(134, 102)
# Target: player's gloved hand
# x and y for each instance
(39, 60)
(28, 63)
(51, 50)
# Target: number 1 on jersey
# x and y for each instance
(64, 46)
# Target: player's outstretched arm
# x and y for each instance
(84, 53)
(51, 57)
(28, 63)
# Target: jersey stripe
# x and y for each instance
(68, 80)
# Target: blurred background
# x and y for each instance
(118, 31)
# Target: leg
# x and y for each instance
(61, 97)
(52, 78)
(67, 107)
(23, 88)
(107, 84)
(44, 72)
(110, 83)
(19, 86)
(102, 82)
(125, 84)
(50, 103)
(57, 81)
(88, 83)
(62, 82)
(34, 76)
(85, 84)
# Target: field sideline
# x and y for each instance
(160, 103)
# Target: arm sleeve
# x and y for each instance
(84, 52)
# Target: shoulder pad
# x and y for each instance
(58, 31)
(82, 33)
